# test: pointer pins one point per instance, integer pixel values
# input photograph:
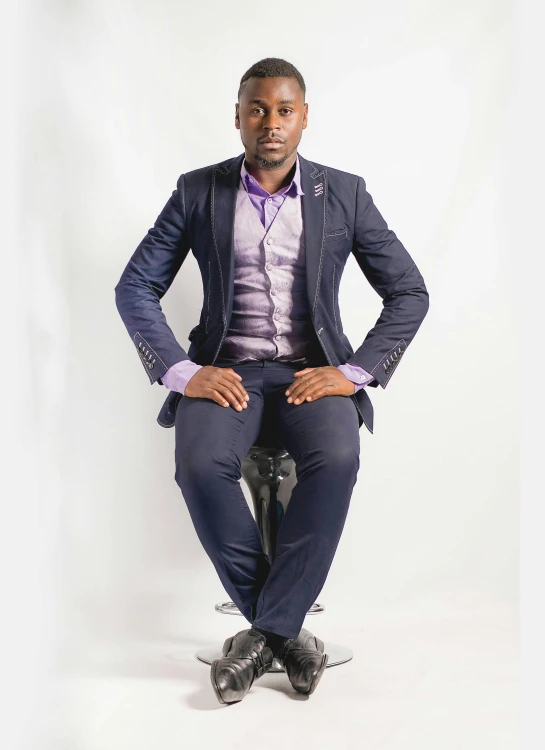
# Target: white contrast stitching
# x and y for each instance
(175, 405)
(388, 354)
(213, 187)
(322, 247)
(146, 354)
(150, 348)
(207, 302)
(334, 314)
(395, 364)
(389, 376)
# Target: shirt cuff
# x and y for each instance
(357, 375)
(177, 377)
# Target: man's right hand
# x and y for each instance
(220, 384)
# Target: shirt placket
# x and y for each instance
(270, 269)
(271, 206)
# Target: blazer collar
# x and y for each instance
(225, 180)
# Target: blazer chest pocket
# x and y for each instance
(336, 239)
(336, 245)
(337, 234)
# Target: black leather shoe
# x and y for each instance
(304, 660)
(245, 658)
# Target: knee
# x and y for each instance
(201, 464)
(342, 456)
(337, 455)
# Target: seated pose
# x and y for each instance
(271, 232)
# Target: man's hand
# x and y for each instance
(314, 382)
(220, 384)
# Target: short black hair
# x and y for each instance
(271, 67)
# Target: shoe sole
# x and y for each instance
(214, 683)
(318, 675)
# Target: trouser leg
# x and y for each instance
(211, 441)
(322, 437)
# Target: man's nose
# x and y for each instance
(272, 122)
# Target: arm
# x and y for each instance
(146, 278)
(393, 274)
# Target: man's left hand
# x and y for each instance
(314, 382)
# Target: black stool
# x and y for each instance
(269, 471)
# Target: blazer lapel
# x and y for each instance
(225, 179)
(313, 203)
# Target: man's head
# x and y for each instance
(271, 107)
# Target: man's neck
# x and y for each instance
(272, 180)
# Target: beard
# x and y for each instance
(269, 164)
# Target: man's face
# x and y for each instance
(271, 109)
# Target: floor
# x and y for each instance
(443, 684)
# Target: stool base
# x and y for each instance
(230, 608)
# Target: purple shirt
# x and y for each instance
(266, 205)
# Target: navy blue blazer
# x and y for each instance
(339, 218)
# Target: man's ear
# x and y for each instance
(237, 119)
(305, 116)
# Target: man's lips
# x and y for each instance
(271, 144)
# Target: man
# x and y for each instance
(271, 232)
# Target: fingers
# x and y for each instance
(303, 372)
(298, 374)
(229, 389)
(307, 388)
(317, 384)
(310, 394)
(234, 383)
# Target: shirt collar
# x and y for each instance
(294, 186)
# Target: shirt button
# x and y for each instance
(269, 200)
(268, 266)
(269, 241)
(273, 291)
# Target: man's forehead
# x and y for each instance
(273, 89)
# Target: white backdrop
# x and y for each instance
(122, 98)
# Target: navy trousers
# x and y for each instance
(322, 437)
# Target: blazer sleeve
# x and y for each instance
(144, 281)
(393, 274)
